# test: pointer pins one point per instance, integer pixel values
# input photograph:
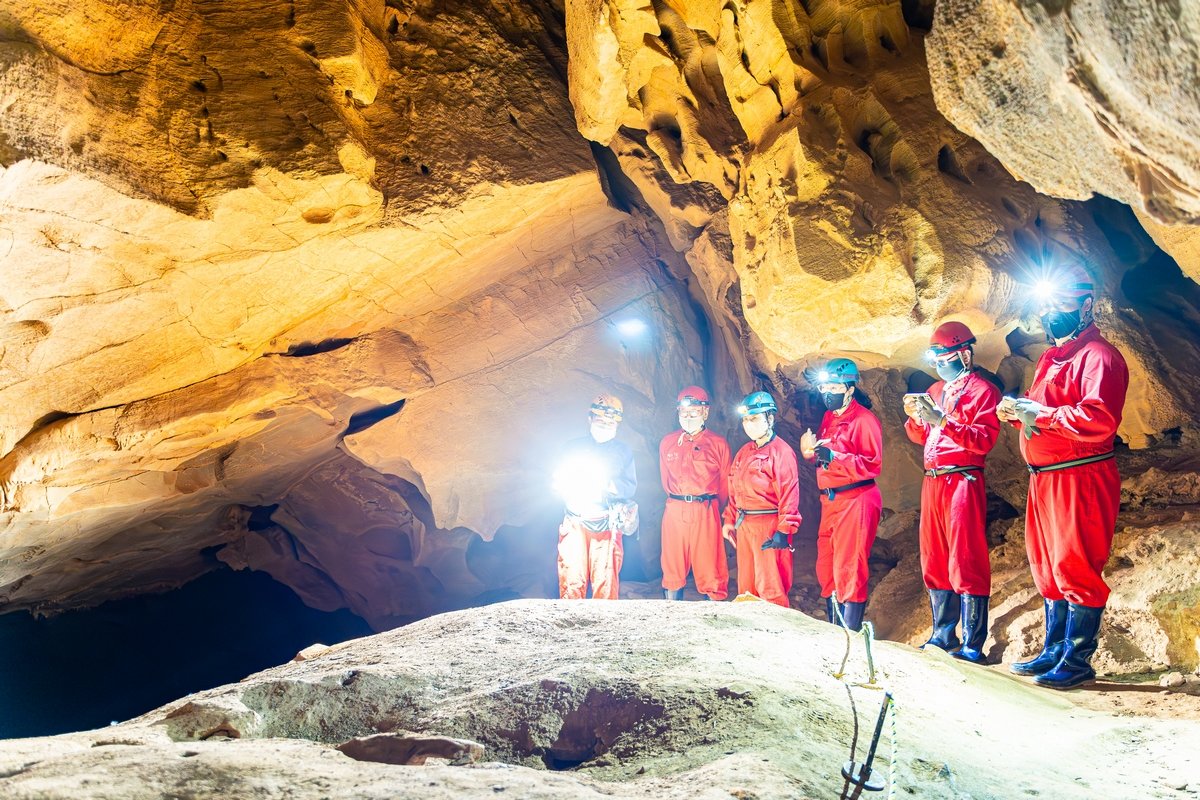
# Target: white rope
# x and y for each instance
(840, 675)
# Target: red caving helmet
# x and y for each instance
(950, 337)
(692, 396)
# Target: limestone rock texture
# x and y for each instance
(590, 700)
(315, 289)
(1079, 98)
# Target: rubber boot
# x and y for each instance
(1083, 626)
(673, 594)
(852, 613)
(830, 611)
(945, 606)
(1056, 630)
(975, 628)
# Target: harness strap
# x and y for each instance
(834, 491)
(939, 471)
(742, 513)
(1075, 462)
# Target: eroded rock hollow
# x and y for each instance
(319, 289)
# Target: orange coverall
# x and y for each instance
(764, 479)
(695, 475)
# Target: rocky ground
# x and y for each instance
(635, 699)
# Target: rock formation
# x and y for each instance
(590, 700)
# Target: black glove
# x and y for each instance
(824, 455)
(778, 541)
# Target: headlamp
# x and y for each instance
(743, 410)
(1045, 289)
(824, 377)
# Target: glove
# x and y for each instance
(1027, 411)
(824, 455)
(778, 541)
(929, 413)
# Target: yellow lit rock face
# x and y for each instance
(270, 275)
(1079, 98)
(796, 158)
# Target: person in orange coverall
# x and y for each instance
(596, 479)
(694, 464)
(1069, 420)
(849, 454)
(956, 422)
(764, 504)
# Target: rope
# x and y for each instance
(892, 755)
(868, 632)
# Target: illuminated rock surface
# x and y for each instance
(589, 700)
(1100, 96)
(318, 289)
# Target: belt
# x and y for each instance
(742, 513)
(939, 471)
(593, 524)
(1075, 462)
(833, 491)
(693, 498)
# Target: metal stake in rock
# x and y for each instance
(860, 775)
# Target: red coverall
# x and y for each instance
(584, 553)
(691, 530)
(954, 552)
(761, 478)
(1072, 513)
(850, 520)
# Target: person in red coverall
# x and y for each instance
(1069, 420)
(956, 422)
(694, 463)
(596, 480)
(764, 504)
(849, 453)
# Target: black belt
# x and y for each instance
(939, 471)
(1075, 462)
(833, 491)
(693, 498)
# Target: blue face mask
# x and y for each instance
(949, 370)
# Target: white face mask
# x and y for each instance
(756, 427)
(692, 420)
(603, 432)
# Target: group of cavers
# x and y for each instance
(1067, 422)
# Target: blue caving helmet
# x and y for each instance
(839, 370)
(757, 403)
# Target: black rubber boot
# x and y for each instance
(673, 594)
(944, 605)
(1083, 626)
(830, 611)
(852, 613)
(1056, 630)
(975, 628)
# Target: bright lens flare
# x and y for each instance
(582, 481)
(631, 327)
(1045, 289)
